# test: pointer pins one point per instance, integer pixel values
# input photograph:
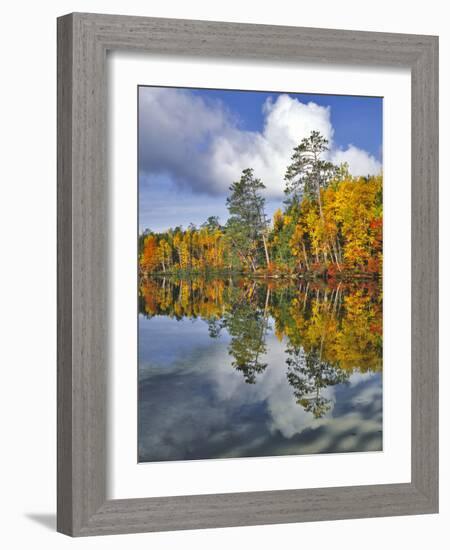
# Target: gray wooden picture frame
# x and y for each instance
(83, 41)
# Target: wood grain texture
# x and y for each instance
(83, 40)
(64, 252)
(82, 262)
(425, 272)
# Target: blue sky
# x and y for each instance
(194, 143)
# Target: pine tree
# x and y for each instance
(246, 206)
(309, 173)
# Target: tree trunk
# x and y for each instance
(252, 264)
(306, 296)
(336, 256)
(339, 249)
(266, 306)
(305, 255)
(319, 199)
(265, 250)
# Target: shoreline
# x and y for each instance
(307, 276)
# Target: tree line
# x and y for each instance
(330, 225)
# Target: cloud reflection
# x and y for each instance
(195, 405)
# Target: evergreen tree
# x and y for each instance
(308, 173)
(246, 206)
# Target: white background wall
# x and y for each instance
(28, 271)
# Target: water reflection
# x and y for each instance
(324, 340)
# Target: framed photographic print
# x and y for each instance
(247, 274)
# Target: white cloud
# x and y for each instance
(360, 162)
(287, 121)
(200, 144)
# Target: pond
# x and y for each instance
(241, 367)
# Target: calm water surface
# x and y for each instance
(240, 367)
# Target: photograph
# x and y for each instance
(260, 251)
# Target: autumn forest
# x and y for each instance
(330, 226)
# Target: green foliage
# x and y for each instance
(247, 327)
(248, 222)
(308, 374)
(308, 173)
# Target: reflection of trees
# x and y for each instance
(179, 298)
(215, 327)
(330, 330)
(247, 327)
(344, 321)
(308, 375)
